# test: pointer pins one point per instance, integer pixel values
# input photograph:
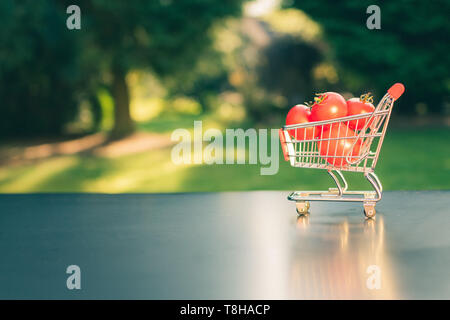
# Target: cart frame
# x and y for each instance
(303, 152)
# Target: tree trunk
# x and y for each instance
(123, 125)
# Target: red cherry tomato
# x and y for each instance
(329, 105)
(359, 106)
(301, 114)
(339, 147)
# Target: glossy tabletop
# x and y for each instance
(237, 245)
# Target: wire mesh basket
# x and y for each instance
(332, 146)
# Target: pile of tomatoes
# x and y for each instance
(327, 106)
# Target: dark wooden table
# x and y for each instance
(242, 245)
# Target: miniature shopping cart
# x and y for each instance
(306, 152)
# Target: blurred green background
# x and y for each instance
(92, 110)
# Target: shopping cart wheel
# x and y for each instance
(302, 207)
(369, 210)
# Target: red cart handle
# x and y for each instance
(284, 145)
(396, 90)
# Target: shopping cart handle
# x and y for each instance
(396, 90)
(284, 147)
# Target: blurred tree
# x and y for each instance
(411, 46)
(205, 80)
(46, 70)
(41, 75)
(288, 68)
(273, 69)
(165, 36)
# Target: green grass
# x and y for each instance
(412, 159)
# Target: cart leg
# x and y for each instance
(371, 200)
(336, 181)
(343, 180)
(302, 207)
(376, 184)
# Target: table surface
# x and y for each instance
(237, 245)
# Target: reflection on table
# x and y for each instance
(341, 261)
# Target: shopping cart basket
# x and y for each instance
(361, 152)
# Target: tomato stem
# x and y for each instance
(308, 103)
(319, 97)
(366, 97)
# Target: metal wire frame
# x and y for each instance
(303, 152)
